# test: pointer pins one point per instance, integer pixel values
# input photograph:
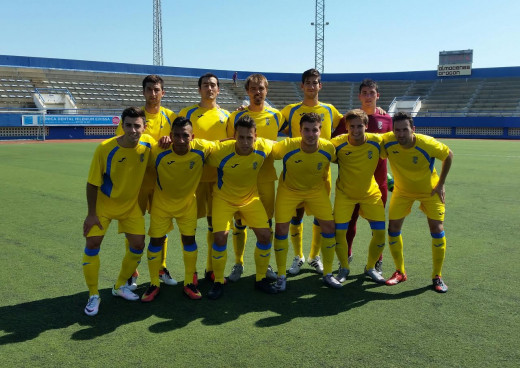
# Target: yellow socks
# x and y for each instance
(281, 245)
(262, 255)
(219, 259)
(189, 253)
(395, 242)
(328, 245)
(210, 240)
(91, 270)
(296, 230)
(316, 240)
(154, 255)
(239, 243)
(438, 253)
(128, 266)
(377, 243)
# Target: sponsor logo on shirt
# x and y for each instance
(233, 166)
(124, 158)
(170, 162)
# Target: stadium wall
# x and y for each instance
(452, 127)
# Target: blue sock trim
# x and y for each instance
(315, 222)
(91, 252)
(210, 229)
(154, 248)
(342, 226)
(296, 221)
(190, 247)
(328, 235)
(281, 237)
(438, 235)
(219, 248)
(394, 234)
(263, 246)
(135, 251)
(240, 227)
(377, 225)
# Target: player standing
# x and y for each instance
(330, 117)
(358, 155)
(158, 124)
(378, 122)
(306, 161)
(412, 158)
(179, 169)
(268, 121)
(116, 173)
(239, 162)
(209, 122)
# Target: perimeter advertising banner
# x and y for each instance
(68, 120)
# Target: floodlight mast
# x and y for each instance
(157, 33)
(319, 35)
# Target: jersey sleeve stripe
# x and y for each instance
(390, 144)
(375, 144)
(157, 162)
(167, 118)
(261, 153)
(145, 144)
(285, 158)
(106, 187)
(338, 148)
(326, 154)
(220, 169)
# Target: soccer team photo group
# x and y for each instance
(207, 162)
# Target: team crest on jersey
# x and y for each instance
(379, 125)
(142, 157)
(320, 165)
(370, 153)
(415, 159)
(192, 163)
(266, 121)
(255, 165)
(322, 117)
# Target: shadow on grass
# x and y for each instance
(305, 297)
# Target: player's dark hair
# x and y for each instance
(256, 78)
(370, 84)
(401, 115)
(180, 122)
(133, 112)
(311, 73)
(245, 121)
(208, 75)
(356, 113)
(310, 117)
(154, 79)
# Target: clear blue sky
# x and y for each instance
(267, 35)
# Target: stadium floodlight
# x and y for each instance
(157, 33)
(319, 35)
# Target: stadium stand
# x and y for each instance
(485, 104)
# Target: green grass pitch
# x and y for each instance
(475, 324)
